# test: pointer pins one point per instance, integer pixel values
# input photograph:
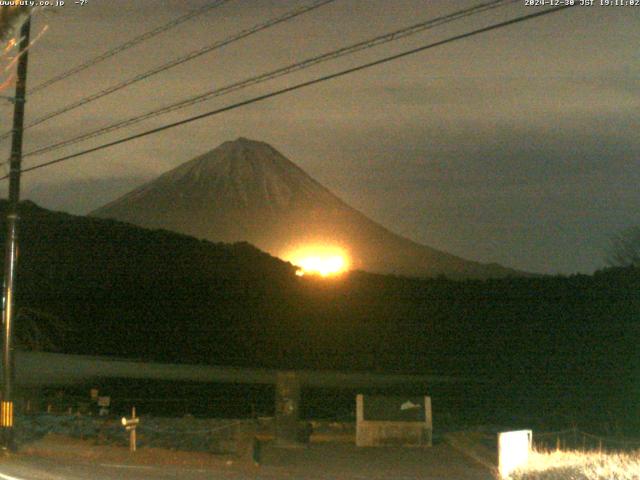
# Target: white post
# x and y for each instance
(428, 418)
(513, 450)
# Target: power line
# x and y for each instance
(304, 64)
(128, 44)
(175, 62)
(298, 86)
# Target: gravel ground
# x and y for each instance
(187, 434)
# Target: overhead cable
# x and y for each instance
(175, 62)
(298, 86)
(128, 44)
(301, 65)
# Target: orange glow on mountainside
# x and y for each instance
(320, 260)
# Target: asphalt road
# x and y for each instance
(321, 462)
(34, 468)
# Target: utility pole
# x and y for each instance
(11, 244)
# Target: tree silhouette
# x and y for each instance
(625, 248)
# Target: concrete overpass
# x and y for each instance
(41, 368)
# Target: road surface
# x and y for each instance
(321, 462)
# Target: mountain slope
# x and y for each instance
(247, 191)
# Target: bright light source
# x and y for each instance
(321, 265)
(319, 260)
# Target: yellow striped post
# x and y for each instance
(6, 414)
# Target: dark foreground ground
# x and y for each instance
(59, 458)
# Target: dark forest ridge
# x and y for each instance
(246, 190)
(94, 286)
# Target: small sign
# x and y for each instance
(408, 405)
(104, 401)
(513, 450)
(383, 408)
(130, 422)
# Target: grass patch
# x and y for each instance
(576, 465)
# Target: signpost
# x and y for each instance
(130, 425)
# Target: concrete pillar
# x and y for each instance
(287, 409)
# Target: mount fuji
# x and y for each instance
(246, 190)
